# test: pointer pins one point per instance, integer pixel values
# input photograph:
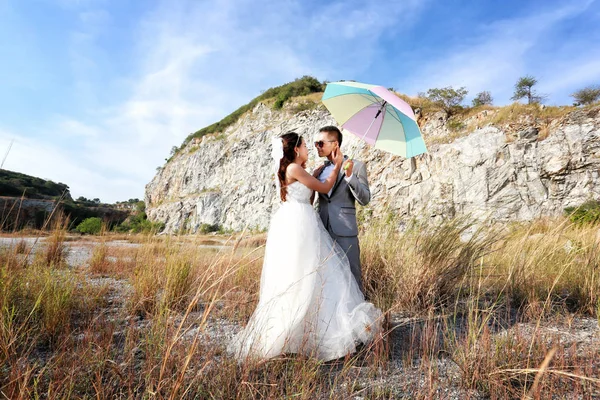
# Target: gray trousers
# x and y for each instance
(349, 245)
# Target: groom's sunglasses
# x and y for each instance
(321, 143)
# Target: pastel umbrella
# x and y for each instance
(375, 115)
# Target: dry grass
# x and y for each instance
(99, 263)
(536, 273)
(38, 303)
(422, 268)
(254, 240)
(428, 265)
(468, 286)
(21, 247)
(518, 364)
(426, 105)
(511, 119)
(549, 259)
(25, 232)
(312, 98)
(54, 253)
(518, 113)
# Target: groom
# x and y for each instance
(337, 208)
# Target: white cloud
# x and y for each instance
(571, 73)
(586, 72)
(196, 62)
(70, 128)
(502, 52)
(44, 159)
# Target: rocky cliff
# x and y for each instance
(491, 171)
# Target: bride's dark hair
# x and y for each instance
(290, 140)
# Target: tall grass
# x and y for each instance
(99, 263)
(465, 284)
(550, 259)
(522, 360)
(38, 304)
(55, 250)
(478, 298)
(425, 266)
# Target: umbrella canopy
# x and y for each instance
(376, 115)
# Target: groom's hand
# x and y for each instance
(348, 166)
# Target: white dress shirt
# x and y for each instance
(327, 172)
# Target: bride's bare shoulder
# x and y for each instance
(294, 169)
(291, 173)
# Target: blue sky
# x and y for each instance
(94, 93)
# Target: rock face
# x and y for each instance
(227, 180)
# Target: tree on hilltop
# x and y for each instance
(587, 95)
(524, 88)
(482, 99)
(448, 98)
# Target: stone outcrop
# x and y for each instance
(227, 179)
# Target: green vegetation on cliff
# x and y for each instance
(426, 104)
(299, 87)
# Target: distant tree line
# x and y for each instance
(450, 99)
(16, 184)
(136, 222)
(88, 202)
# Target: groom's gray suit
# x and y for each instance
(338, 212)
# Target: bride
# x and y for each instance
(309, 301)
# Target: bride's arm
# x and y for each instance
(298, 173)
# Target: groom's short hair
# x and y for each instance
(333, 130)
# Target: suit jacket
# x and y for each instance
(338, 211)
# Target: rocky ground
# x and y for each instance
(400, 376)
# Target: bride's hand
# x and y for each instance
(338, 157)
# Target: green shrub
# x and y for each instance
(587, 213)
(208, 228)
(282, 97)
(138, 222)
(92, 226)
(455, 125)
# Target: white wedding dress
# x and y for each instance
(309, 300)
